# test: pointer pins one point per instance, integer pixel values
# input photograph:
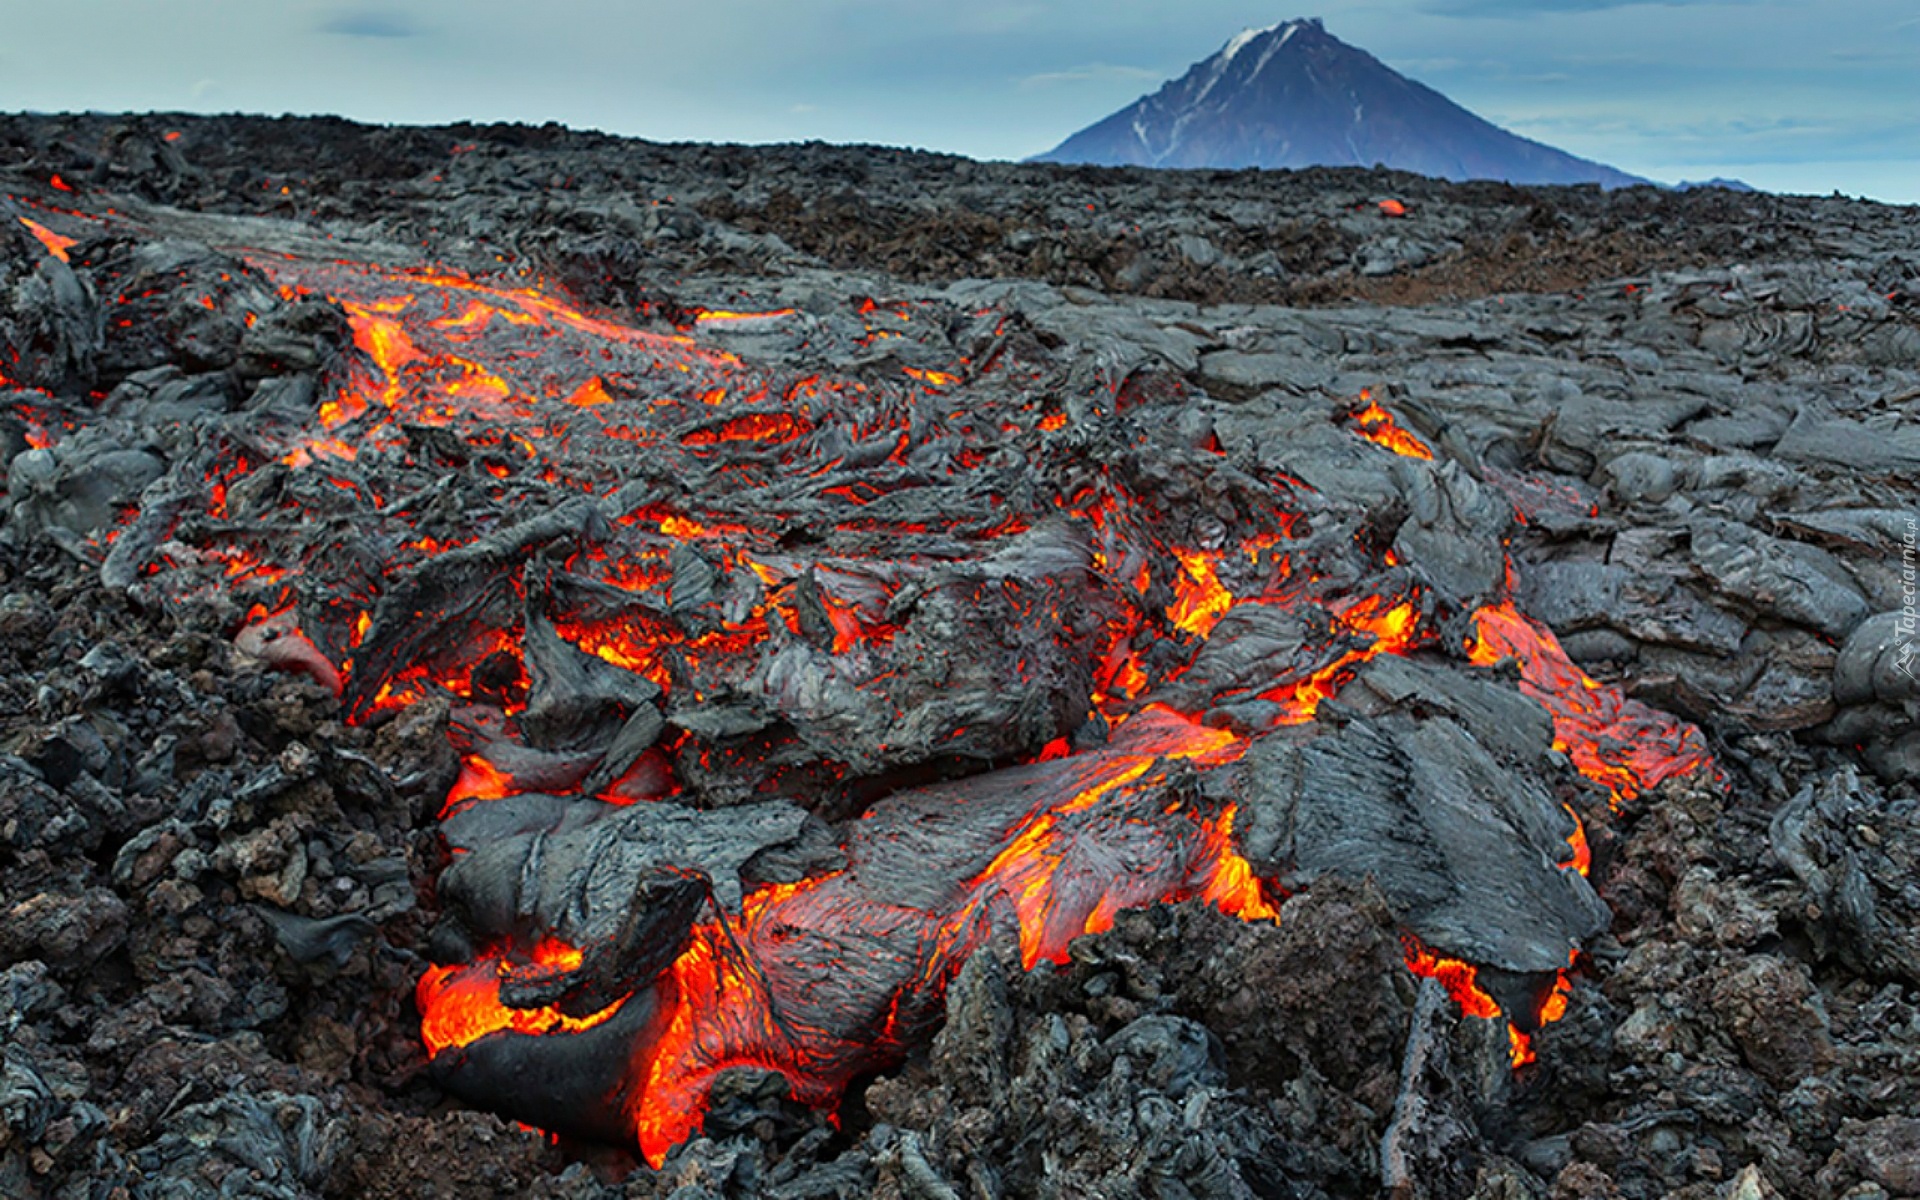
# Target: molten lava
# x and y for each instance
(1619, 743)
(1202, 601)
(723, 1002)
(1377, 425)
(664, 532)
(56, 244)
(460, 1005)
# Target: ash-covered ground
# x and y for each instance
(216, 893)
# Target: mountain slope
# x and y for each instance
(1294, 95)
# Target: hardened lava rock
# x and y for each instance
(253, 643)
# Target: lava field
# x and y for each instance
(537, 664)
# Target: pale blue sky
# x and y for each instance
(1793, 95)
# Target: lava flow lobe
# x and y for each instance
(779, 694)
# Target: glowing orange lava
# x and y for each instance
(453, 376)
(720, 1004)
(726, 1001)
(479, 780)
(1201, 600)
(1619, 743)
(723, 317)
(1377, 425)
(719, 1009)
(1392, 627)
(460, 1005)
(1232, 887)
(590, 394)
(755, 427)
(56, 244)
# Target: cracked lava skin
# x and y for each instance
(779, 694)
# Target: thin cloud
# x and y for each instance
(1655, 142)
(1536, 8)
(365, 24)
(1092, 72)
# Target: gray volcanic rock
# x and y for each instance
(1685, 418)
(1293, 95)
(1460, 845)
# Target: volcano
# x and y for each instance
(1292, 96)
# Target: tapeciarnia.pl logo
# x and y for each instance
(1907, 656)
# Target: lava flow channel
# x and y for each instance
(659, 588)
(826, 979)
